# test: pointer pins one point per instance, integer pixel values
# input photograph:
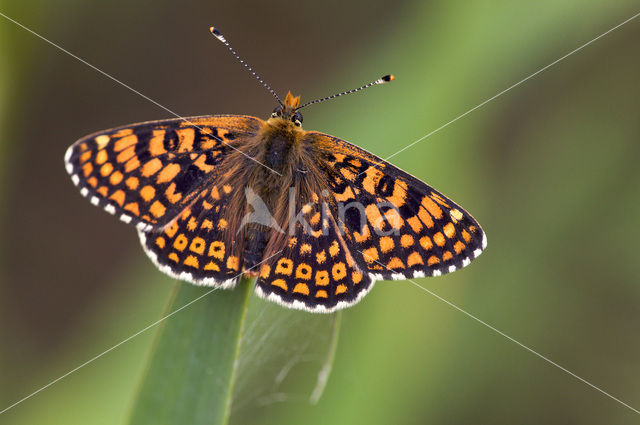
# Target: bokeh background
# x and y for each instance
(550, 169)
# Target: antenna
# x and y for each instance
(385, 79)
(224, 41)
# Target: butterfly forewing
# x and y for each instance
(147, 173)
(402, 227)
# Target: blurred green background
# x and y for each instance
(550, 169)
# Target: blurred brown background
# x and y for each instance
(550, 170)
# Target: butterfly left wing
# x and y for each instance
(397, 226)
(161, 176)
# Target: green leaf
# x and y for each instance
(191, 370)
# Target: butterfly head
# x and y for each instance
(288, 112)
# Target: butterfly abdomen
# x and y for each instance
(281, 151)
(256, 239)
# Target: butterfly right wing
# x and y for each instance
(382, 224)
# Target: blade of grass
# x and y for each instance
(323, 374)
(190, 373)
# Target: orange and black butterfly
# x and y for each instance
(314, 218)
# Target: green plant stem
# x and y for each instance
(190, 372)
(323, 374)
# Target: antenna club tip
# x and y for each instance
(216, 33)
(388, 78)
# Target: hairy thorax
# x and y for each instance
(277, 167)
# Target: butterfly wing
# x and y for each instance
(199, 245)
(159, 176)
(315, 270)
(397, 226)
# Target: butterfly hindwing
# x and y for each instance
(402, 227)
(198, 245)
(315, 271)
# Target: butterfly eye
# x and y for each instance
(297, 118)
(276, 112)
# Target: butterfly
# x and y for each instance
(314, 219)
